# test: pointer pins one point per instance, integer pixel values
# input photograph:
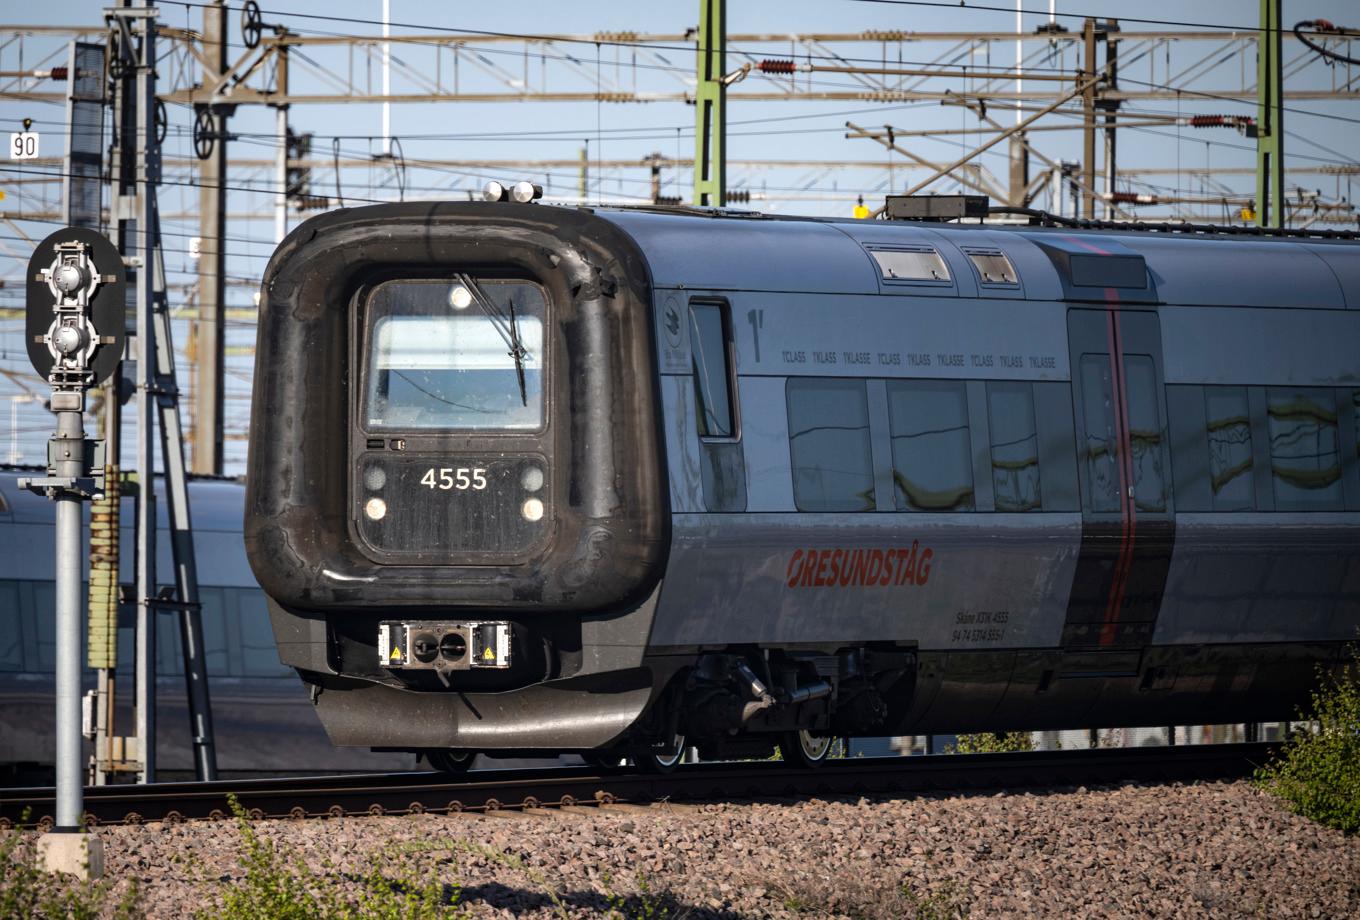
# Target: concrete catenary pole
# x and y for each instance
(148, 167)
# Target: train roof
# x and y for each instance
(729, 250)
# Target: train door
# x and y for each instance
(1128, 525)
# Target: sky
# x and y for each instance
(1320, 132)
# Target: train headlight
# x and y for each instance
(375, 508)
(532, 509)
(531, 480)
(525, 192)
(460, 297)
(375, 477)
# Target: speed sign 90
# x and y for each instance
(23, 145)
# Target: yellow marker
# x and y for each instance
(861, 212)
(2, 196)
(488, 654)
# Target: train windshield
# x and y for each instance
(454, 355)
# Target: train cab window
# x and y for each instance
(1305, 453)
(1228, 425)
(462, 355)
(915, 264)
(932, 459)
(1147, 441)
(829, 447)
(711, 351)
(1015, 446)
(992, 267)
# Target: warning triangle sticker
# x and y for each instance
(395, 656)
(489, 655)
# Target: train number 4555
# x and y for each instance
(460, 478)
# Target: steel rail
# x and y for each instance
(517, 790)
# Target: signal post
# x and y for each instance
(76, 311)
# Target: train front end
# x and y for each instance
(456, 498)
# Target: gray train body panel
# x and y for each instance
(1050, 478)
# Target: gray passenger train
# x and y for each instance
(261, 716)
(526, 478)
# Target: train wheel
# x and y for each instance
(657, 759)
(451, 761)
(804, 749)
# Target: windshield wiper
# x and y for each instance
(518, 353)
(506, 326)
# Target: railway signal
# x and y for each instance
(76, 315)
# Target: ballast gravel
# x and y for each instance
(1205, 850)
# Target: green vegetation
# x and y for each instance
(945, 904)
(1317, 772)
(992, 743)
(397, 884)
(852, 896)
(645, 904)
(30, 892)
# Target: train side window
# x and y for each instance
(259, 654)
(170, 650)
(992, 267)
(916, 264)
(711, 350)
(1099, 452)
(11, 628)
(1305, 453)
(829, 445)
(1228, 424)
(217, 612)
(43, 597)
(1146, 438)
(169, 658)
(1355, 409)
(1015, 446)
(932, 454)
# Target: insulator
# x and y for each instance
(59, 73)
(1131, 198)
(738, 196)
(771, 66)
(1221, 121)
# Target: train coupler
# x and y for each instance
(444, 646)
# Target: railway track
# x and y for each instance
(489, 792)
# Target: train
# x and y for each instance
(530, 479)
(262, 719)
